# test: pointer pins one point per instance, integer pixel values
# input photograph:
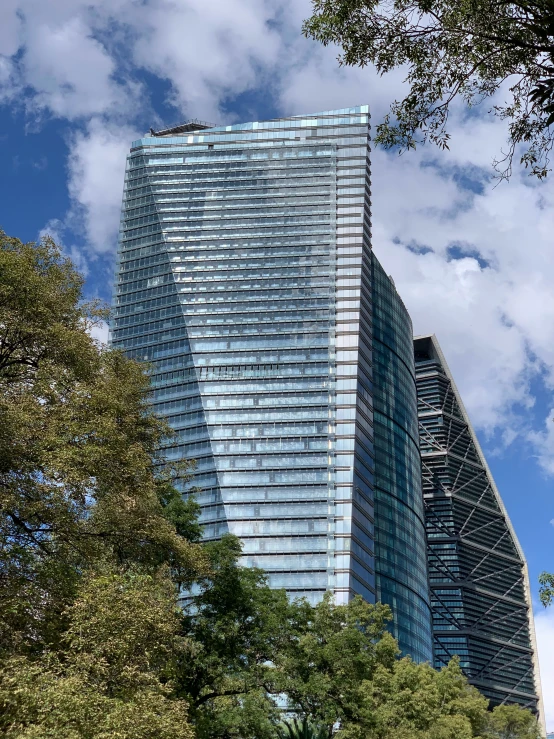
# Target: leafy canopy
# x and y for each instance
(112, 676)
(546, 593)
(83, 524)
(412, 701)
(471, 50)
(100, 635)
(81, 478)
(301, 730)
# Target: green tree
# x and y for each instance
(235, 626)
(546, 593)
(454, 49)
(301, 730)
(116, 621)
(340, 671)
(331, 651)
(112, 677)
(414, 701)
(81, 478)
(83, 491)
(252, 648)
(510, 722)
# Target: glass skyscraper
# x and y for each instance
(280, 352)
(480, 593)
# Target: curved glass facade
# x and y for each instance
(400, 554)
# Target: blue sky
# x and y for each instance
(474, 263)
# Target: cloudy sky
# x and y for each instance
(79, 79)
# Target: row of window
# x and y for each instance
(294, 195)
(171, 213)
(229, 177)
(171, 222)
(264, 245)
(249, 191)
(188, 201)
(189, 297)
(232, 274)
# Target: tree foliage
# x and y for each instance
(82, 487)
(112, 676)
(301, 730)
(412, 701)
(116, 620)
(471, 50)
(546, 593)
(235, 625)
(334, 651)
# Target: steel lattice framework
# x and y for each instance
(477, 572)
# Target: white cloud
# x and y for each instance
(492, 310)
(543, 442)
(207, 50)
(484, 285)
(100, 333)
(544, 626)
(313, 81)
(96, 169)
(62, 68)
(10, 28)
(71, 72)
(78, 59)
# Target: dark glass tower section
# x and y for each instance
(246, 279)
(480, 594)
(401, 560)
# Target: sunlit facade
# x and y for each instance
(280, 352)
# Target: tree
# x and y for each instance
(251, 647)
(116, 621)
(301, 730)
(332, 650)
(415, 701)
(471, 50)
(340, 671)
(546, 593)
(89, 525)
(113, 676)
(81, 477)
(510, 722)
(235, 626)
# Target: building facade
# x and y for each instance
(480, 595)
(280, 352)
(401, 561)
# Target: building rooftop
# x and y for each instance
(192, 125)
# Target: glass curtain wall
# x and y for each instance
(245, 279)
(238, 280)
(401, 559)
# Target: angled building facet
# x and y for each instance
(246, 279)
(480, 595)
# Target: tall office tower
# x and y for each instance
(480, 594)
(246, 279)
